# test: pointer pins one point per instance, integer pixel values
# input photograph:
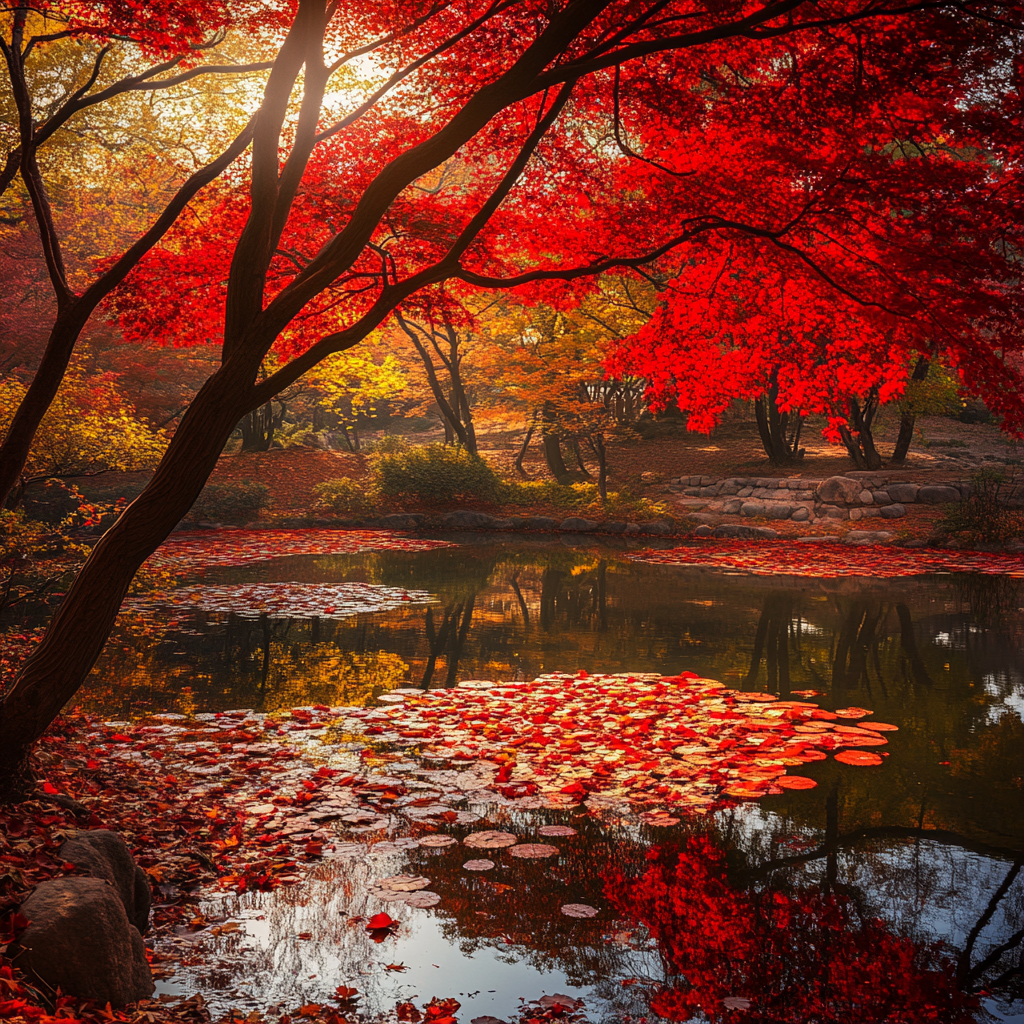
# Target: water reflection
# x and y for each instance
(896, 890)
(849, 927)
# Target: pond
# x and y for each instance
(889, 893)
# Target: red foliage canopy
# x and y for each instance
(833, 202)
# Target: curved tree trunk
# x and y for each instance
(780, 431)
(908, 419)
(41, 392)
(79, 629)
(552, 445)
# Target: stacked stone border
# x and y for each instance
(854, 496)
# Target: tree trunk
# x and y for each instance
(602, 466)
(908, 419)
(553, 447)
(780, 433)
(18, 443)
(525, 445)
(258, 429)
(859, 440)
(79, 629)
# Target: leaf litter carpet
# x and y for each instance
(830, 561)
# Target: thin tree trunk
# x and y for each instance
(864, 440)
(602, 466)
(18, 443)
(525, 445)
(908, 418)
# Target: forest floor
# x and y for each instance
(944, 449)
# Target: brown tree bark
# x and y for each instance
(779, 431)
(79, 629)
(908, 419)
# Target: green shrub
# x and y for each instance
(435, 473)
(983, 516)
(343, 496)
(582, 499)
(231, 503)
(389, 444)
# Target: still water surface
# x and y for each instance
(876, 896)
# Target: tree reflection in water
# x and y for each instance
(828, 903)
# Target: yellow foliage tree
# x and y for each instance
(90, 428)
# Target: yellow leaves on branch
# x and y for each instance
(355, 383)
(91, 427)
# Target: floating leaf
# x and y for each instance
(879, 726)
(852, 712)
(556, 830)
(379, 921)
(533, 851)
(860, 757)
(795, 782)
(404, 883)
(578, 910)
(478, 865)
(736, 1003)
(422, 899)
(437, 842)
(489, 840)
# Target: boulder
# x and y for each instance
(511, 523)
(1015, 546)
(881, 497)
(79, 939)
(866, 497)
(659, 527)
(818, 539)
(801, 515)
(745, 532)
(631, 529)
(839, 489)
(732, 506)
(745, 492)
(398, 521)
(612, 526)
(903, 492)
(703, 531)
(752, 508)
(894, 511)
(862, 538)
(104, 854)
(576, 524)
(541, 523)
(468, 519)
(776, 510)
(938, 494)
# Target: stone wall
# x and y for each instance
(854, 496)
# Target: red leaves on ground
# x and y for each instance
(828, 561)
